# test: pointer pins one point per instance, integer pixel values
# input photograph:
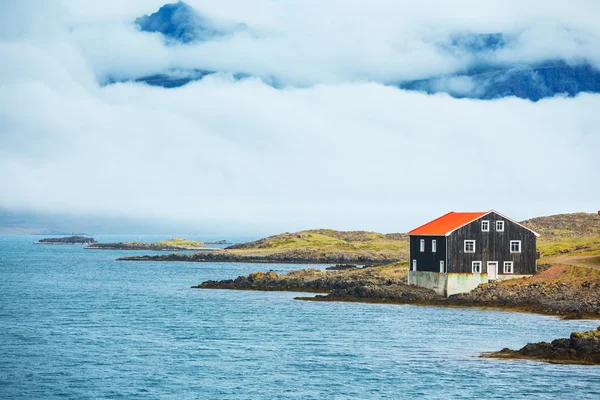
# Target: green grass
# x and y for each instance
(180, 242)
(331, 240)
(577, 245)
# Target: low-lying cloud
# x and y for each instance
(339, 152)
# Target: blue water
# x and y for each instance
(77, 324)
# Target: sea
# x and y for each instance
(77, 324)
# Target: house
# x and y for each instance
(461, 250)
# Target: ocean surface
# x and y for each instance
(77, 324)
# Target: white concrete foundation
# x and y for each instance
(447, 284)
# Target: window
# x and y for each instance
(476, 265)
(442, 269)
(500, 226)
(469, 246)
(433, 246)
(508, 267)
(414, 265)
(515, 246)
(422, 245)
(485, 226)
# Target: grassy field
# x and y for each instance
(327, 240)
(568, 238)
(180, 242)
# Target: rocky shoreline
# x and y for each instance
(579, 348)
(296, 256)
(574, 300)
(175, 244)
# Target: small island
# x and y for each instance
(579, 348)
(67, 240)
(175, 244)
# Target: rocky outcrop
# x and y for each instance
(67, 240)
(341, 267)
(365, 283)
(579, 348)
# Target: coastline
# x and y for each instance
(220, 256)
(207, 249)
(61, 244)
(568, 299)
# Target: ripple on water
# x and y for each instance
(77, 324)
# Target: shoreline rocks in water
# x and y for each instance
(341, 267)
(579, 348)
(67, 240)
(574, 299)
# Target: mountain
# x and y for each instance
(485, 79)
(178, 23)
(527, 82)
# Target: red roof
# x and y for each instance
(447, 223)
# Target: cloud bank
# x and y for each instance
(239, 154)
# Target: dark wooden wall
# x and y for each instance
(427, 260)
(492, 246)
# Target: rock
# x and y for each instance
(341, 267)
(579, 348)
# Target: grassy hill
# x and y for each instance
(568, 235)
(392, 246)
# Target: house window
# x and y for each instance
(508, 267)
(433, 246)
(476, 265)
(485, 226)
(422, 245)
(469, 246)
(500, 226)
(515, 246)
(442, 268)
(414, 265)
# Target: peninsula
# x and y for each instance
(175, 244)
(319, 246)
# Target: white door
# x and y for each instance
(442, 267)
(492, 270)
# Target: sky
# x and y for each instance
(332, 145)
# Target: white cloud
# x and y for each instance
(304, 43)
(341, 153)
